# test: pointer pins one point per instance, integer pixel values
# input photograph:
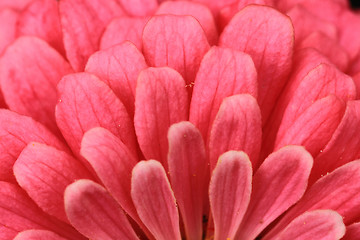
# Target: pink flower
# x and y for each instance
(244, 111)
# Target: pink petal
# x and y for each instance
(349, 39)
(314, 127)
(229, 193)
(279, 183)
(44, 172)
(154, 200)
(86, 102)
(178, 42)
(352, 232)
(94, 213)
(19, 213)
(139, 8)
(8, 21)
(357, 83)
(237, 127)
(223, 72)
(119, 67)
(41, 18)
(188, 175)
(124, 29)
(198, 11)
(338, 191)
(268, 36)
(16, 132)
(29, 72)
(320, 224)
(83, 22)
(38, 235)
(15, 4)
(161, 100)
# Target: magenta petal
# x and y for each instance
(352, 232)
(223, 72)
(8, 21)
(83, 22)
(38, 235)
(268, 36)
(44, 172)
(188, 175)
(237, 127)
(279, 183)
(29, 72)
(16, 132)
(178, 42)
(119, 67)
(94, 213)
(198, 11)
(154, 200)
(229, 193)
(86, 102)
(319, 224)
(161, 100)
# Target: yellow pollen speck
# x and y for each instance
(194, 175)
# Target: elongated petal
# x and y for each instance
(16, 132)
(94, 213)
(38, 235)
(178, 42)
(188, 168)
(29, 72)
(229, 193)
(44, 172)
(86, 102)
(154, 200)
(269, 39)
(279, 183)
(352, 231)
(223, 72)
(8, 21)
(119, 67)
(161, 100)
(237, 127)
(319, 224)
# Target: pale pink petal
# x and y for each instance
(315, 126)
(41, 19)
(154, 200)
(119, 67)
(229, 192)
(44, 172)
(279, 183)
(352, 232)
(161, 100)
(8, 21)
(338, 191)
(38, 235)
(178, 42)
(268, 36)
(86, 102)
(188, 175)
(223, 72)
(83, 23)
(124, 29)
(94, 213)
(319, 224)
(198, 11)
(29, 72)
(19, 213)
(237, 126)
(16, 132)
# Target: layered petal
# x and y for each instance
(38, 235)
(8, 21)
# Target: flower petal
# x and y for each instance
(15, 4)
(154, 200)
(16, 132)
(94, 213)
(86, 102)
(178, 42)
(8, 21)
(139, 8)
(349, 39)
(223, 72)
(319, 224)
(268, 36)
(38, 235)
(119, 67)
(44, 172)
(229, 192)
(188, 174)
(161, 100)
(29, 72)
(279, 183)
(352, 232)
(237, 127)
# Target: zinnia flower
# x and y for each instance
(179, 119)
